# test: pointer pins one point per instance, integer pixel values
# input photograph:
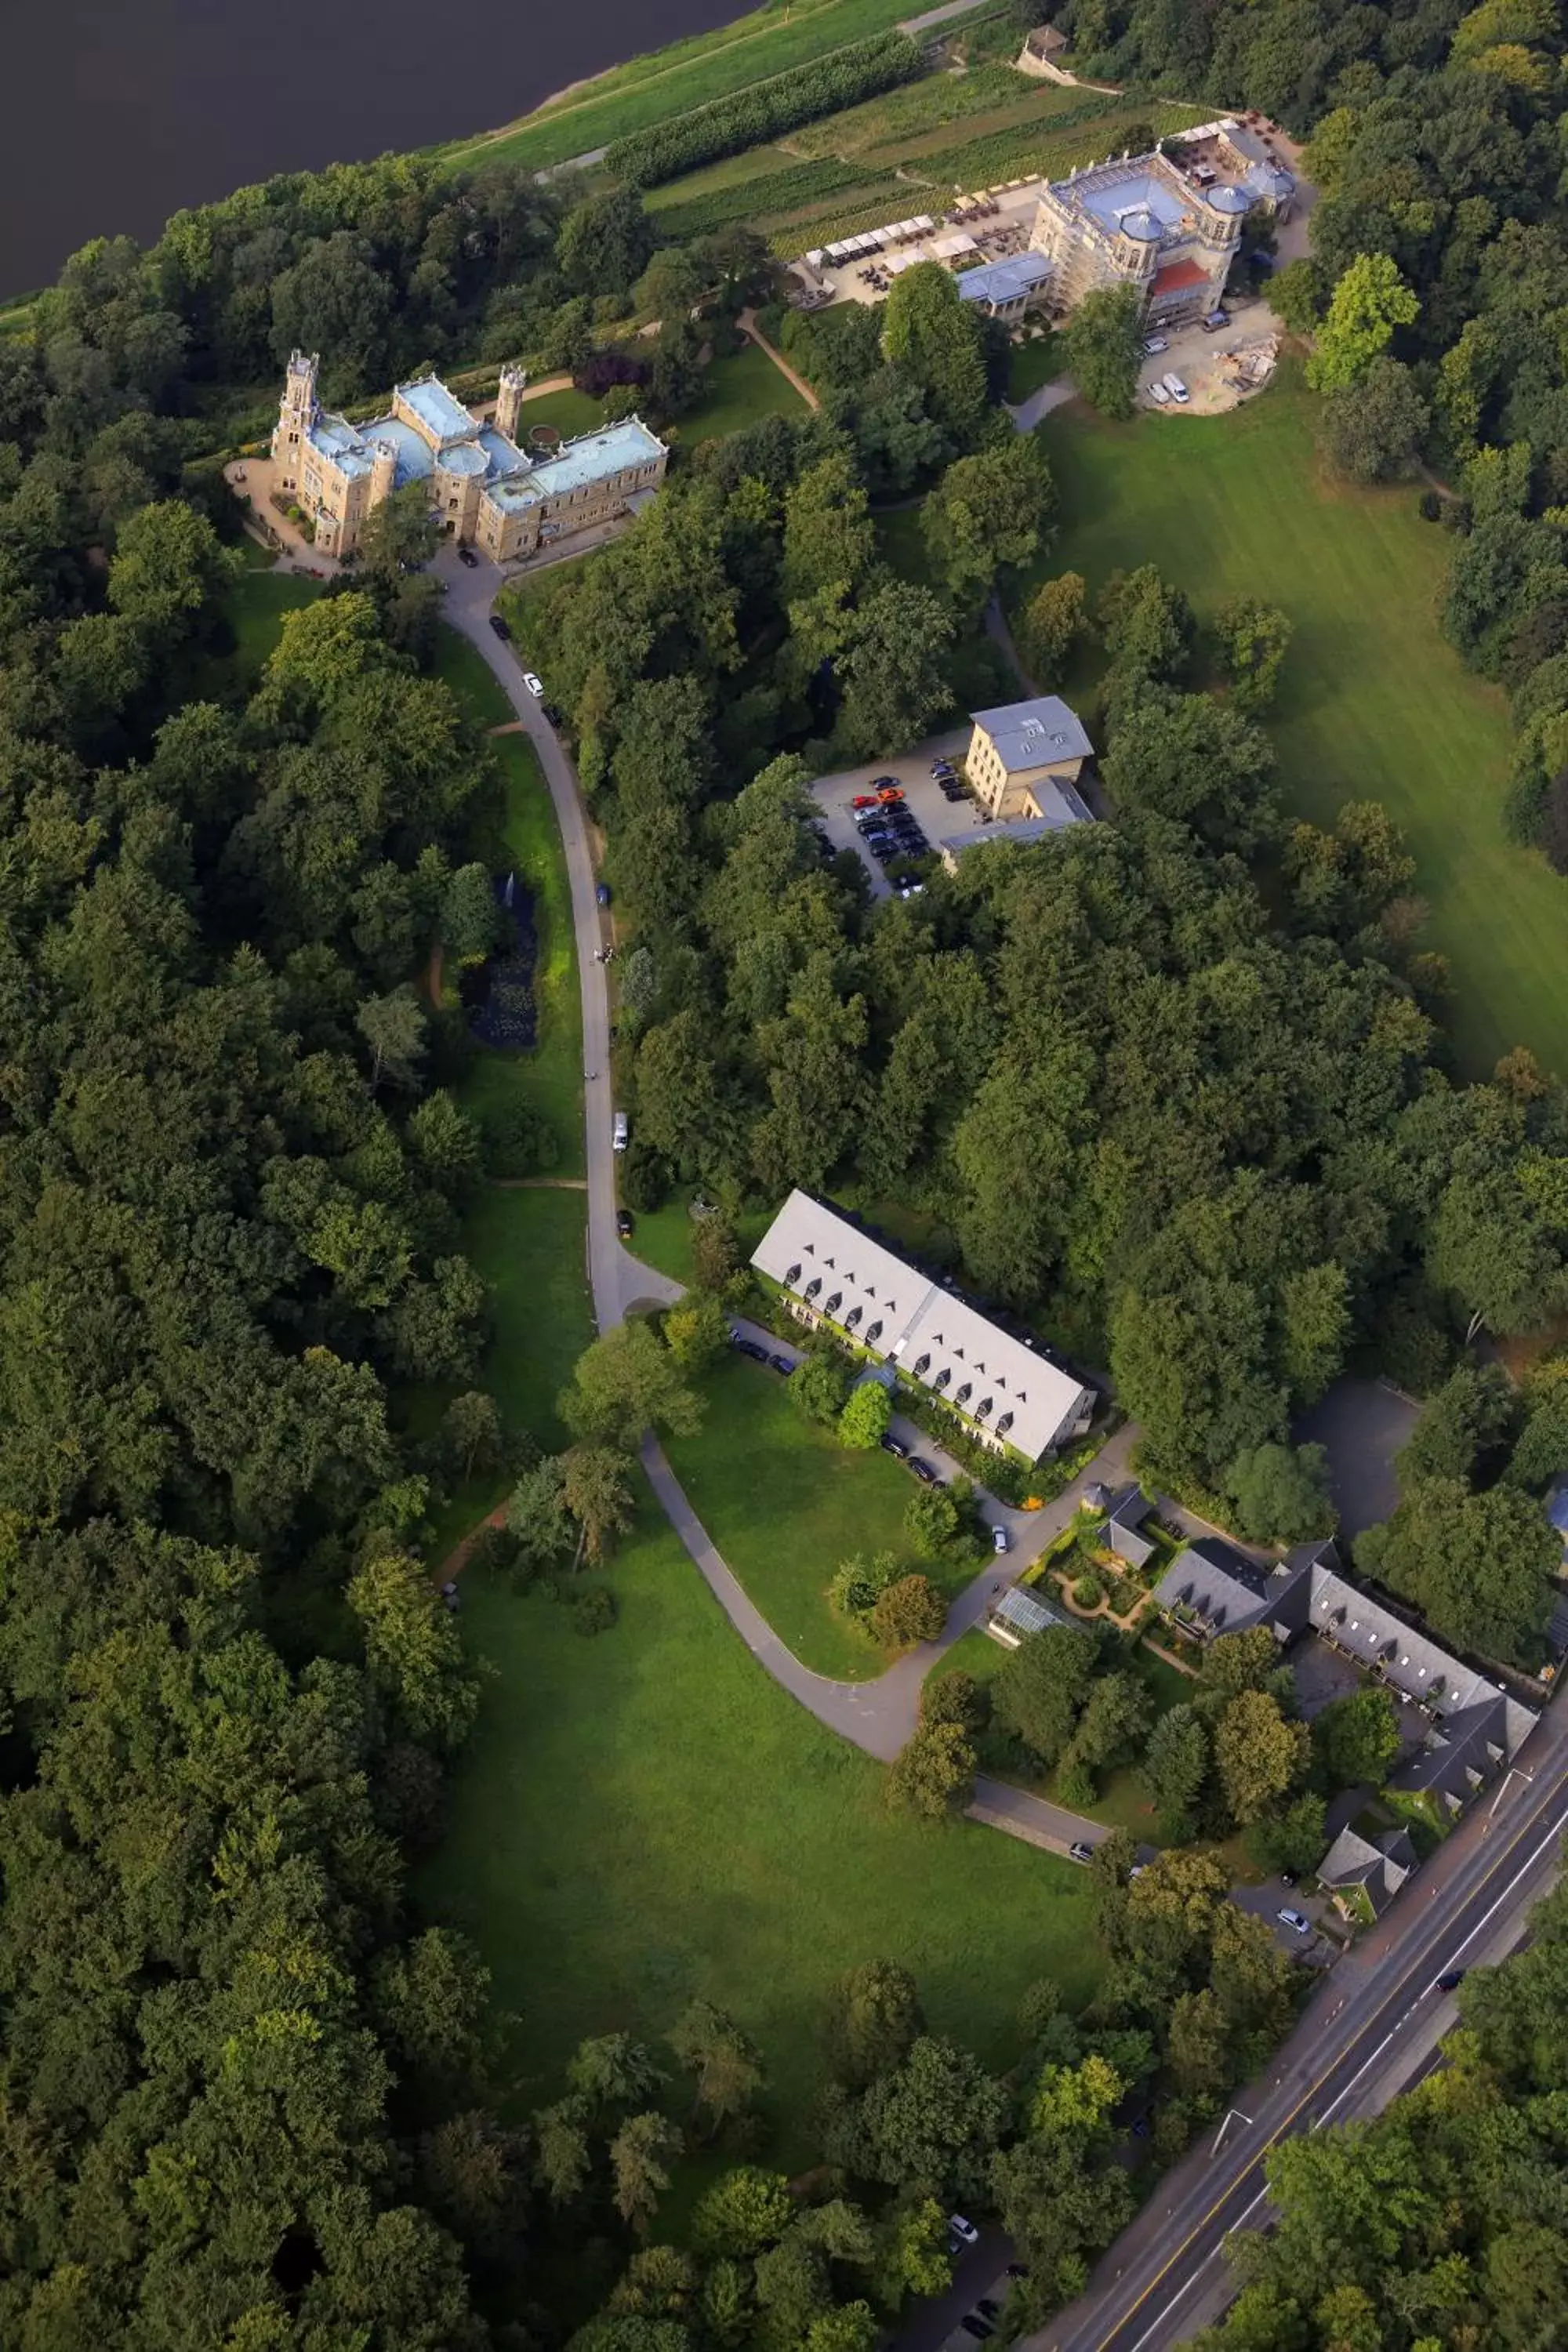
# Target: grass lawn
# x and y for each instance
(254, 604)
(569, 410)
(1031, 364)
(787, 1504)
(645, 1818)
(462, 667)
(1373, 704)
(663, 1236)
(550, 1076)
(671, 81)
(739, 390)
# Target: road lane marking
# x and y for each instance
(1555, 1830)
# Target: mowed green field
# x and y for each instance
(786, 1505)
(646, 1817)
(1373, 704)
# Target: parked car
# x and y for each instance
(1215, 321)
(921, 1470)
(890, 793)
(980, 2329)
(1295, 1920)
(987, 2306)
(465, 554)
(965, 2231)
(1177, 388)
(553, 711)
(941, 768)
(603, 894)
(782, 1364)
(1000, 1541)
(620, 1134)
(1159, 395)
(892, 1446)
(1017, 2270)
(534, 685)
(1453, 1976)
(1154, 344)
(1079, 1850)
(864, 800)
(625, 1221)
(500, 626)
(744, 1346)
(886, 784)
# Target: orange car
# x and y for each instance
(891, 792)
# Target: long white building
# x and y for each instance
(1006, 1392)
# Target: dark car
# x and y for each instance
(890, 1446)
(781, 1364)
(603, 894)
(744, 1346)
(1017, 2270)
(987, 2306)
(625, 1221)
(885, 784)
(976, 2327)
(500, 626)
(466, 555)
(922, 1471)
(1453, 1976)
(450, 1599)
(553, 712)
(1080, 1852)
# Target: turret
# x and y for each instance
(382, 471)
(296, 414)
(508, 401)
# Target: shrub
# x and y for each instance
(646, 1179)
(858, 1583)
(1087, 1591)
(750, 117)
(493, 1552)
(594, 1611)
(908, 1611)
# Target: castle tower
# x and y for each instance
(508, 401)
(383, 472)
(296, 414)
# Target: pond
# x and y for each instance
(498, 994)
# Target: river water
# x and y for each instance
(119, 112)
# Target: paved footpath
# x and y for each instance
(879, 1715)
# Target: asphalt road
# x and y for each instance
(1166, 2275)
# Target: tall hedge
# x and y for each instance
(731, 124)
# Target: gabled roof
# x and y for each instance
(1040, 733)
(1224, 1590)
(1378, 1866)
(933, 1336)
(1123, 1526)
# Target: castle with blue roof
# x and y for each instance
(485, 490)
(1167, 224)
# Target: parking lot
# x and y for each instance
(935, 815)
(1204, 363)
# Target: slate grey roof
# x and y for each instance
(1476, 1725)
(1123, 1527)
(1035, 734)
(1378, 1866)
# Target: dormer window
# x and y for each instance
(922, 1367)
(835, 1303)
(853, 1317)
(942, 1378)
(873, 1333)
(984, 1407)
(1004, 1425)
(792, 1277)
(962, 1395)
(814, 1286)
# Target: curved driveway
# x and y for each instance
(879, 1715)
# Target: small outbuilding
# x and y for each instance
(1018, 1614)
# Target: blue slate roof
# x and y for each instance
(437, 409)
(1004, 281)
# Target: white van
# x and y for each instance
(1159, 395)
(620, 1131)
(1177, 389)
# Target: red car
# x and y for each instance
(891, 792)
(864, 800)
